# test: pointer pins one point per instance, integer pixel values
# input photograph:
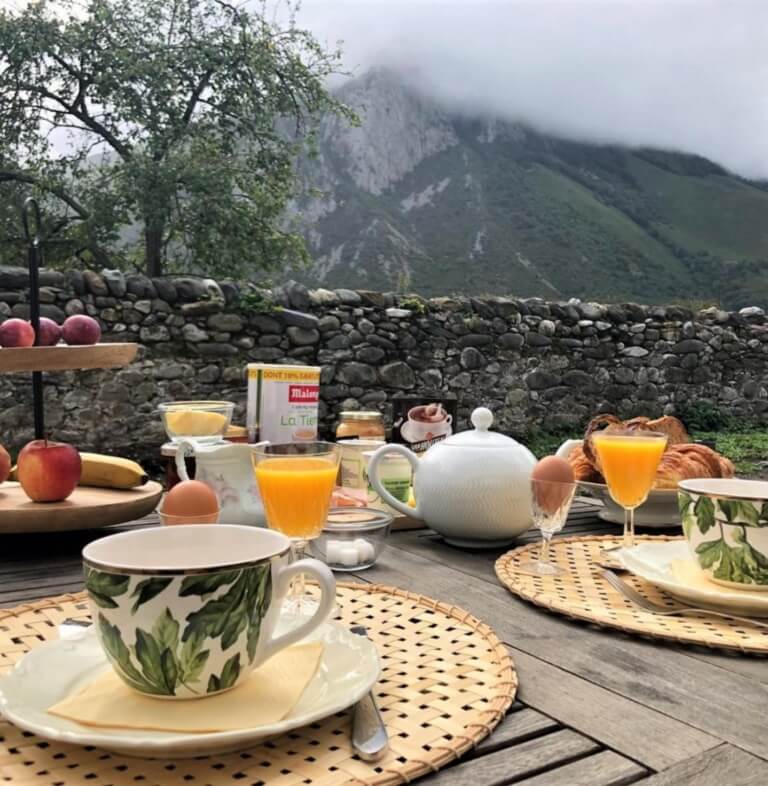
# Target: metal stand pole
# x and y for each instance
(31, 210)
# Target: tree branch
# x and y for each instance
(8, 176)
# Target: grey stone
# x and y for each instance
(202, 308)
(230, 323)
(193, 333)
(302, 337)
(547, 328)
(323, 297)
(172, 371)
(591, 310)
(752, 312)
(21, 310)
(398, 313)
(189, 289)
(166, 289)
(471, 358)
(213, 349)
(143, 306)
(328, 323)
(634, 352)
(73, 307)
(579, 379)
(115, 280)
(5, 310)
(372, 355)
(297, 319)
(265, 324)
(348, 297)
(689, 345)
(338, 342)
(154, 333)
(141, 287)
(537, 340)
(298, 295)
(540, 380)
(12, 297)
(475, 340)
(356, 374)
(366, 327)
(511, 341)
(265, 354)
(12, 277)
(95, 283)
(397, 375)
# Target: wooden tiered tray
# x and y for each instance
(86, 508)
(65, 358)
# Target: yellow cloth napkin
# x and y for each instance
(266, 696)
(687, 572)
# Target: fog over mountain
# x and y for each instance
(685, 75)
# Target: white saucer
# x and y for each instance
(348, 670)
(653, 562)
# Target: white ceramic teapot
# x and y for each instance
(228, 469)
(474, 488)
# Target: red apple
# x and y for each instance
(5, 464)
(48, 471)
(16, 333)
(50, 332)
(80, 329)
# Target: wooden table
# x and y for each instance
(595, 707)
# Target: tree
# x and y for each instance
(166, 130)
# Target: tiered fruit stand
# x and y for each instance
(86, 507)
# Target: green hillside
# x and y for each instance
(528, 214)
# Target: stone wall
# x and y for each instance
(537, 365)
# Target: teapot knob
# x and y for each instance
(482, 418)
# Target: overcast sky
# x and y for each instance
(682, 74)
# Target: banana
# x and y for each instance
(110, 472)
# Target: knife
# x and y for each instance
(370, 740)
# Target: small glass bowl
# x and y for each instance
(352, 538)
(200, 422)
(169, 521)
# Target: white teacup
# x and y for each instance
(188, 611)
(417, 429)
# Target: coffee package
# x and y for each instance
(421, 421)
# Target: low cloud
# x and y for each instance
(683, 75)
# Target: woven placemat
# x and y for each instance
(584, 595)
(447, 681)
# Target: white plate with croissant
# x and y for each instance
(682, 460)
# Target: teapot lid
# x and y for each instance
(480, 436)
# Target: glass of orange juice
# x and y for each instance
(296, 480)
(629, 461)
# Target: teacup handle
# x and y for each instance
(283, 578)
(183, 449)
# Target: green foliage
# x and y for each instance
(104, 587)
(415, 304)
(258, 302)
(187, 117)
(703, 415)
(147, 589)
(743, 443)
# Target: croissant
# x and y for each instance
(583, 469)
(682, 460)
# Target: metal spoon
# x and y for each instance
(369, 734)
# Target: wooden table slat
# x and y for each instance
(723, 766)
(601, 769)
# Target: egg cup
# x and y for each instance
(550, 505)
(206, 518)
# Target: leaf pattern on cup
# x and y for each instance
(147, 589)
(104, 587)
(733, 558)
(173, 652)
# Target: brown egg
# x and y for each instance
(554, 476)
(190, 502)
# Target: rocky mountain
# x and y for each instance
(419, 198)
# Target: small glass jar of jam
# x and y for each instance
(360, 424)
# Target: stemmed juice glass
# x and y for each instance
(550, 503)
(296, 481)
(629, 461)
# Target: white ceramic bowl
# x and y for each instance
(725, 521)
(659, 511)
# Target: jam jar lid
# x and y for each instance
(348, 519)
(360, 414)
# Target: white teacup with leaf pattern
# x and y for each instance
(188, 611)
(725, 521)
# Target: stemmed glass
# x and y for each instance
(550, 502)
(296, 481)
(629, 461)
